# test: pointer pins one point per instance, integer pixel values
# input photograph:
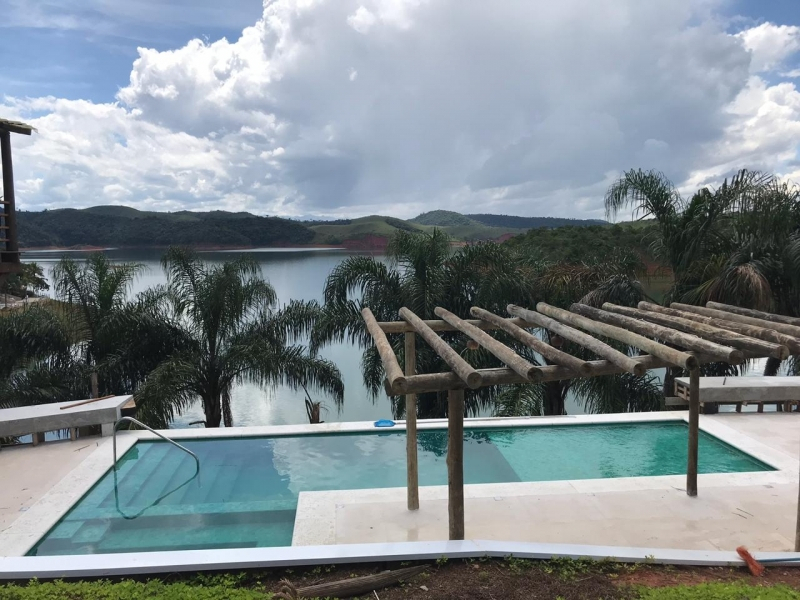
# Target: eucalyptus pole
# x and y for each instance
(412, 467)
(455, 463)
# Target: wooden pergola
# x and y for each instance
(9, 244)
(682, 336)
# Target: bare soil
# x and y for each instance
(496, 579)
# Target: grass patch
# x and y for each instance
(719, 591)
(127, 590)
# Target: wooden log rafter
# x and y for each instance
(792, 330)
(499, 350)
(709, 332)
(754, 331)
(584, 339)
(757, 314)
(547, 351)
(680, 339)
(461, 367)
(391, 367)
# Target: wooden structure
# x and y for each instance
(73, 416)
(738, 391)
(9, 243)
(680, 336)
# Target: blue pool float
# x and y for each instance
(384, 423)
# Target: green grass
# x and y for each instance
(128, 590)
(719, 591)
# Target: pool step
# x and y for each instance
(282, 503)
(165, 477)
(133, 473)
(229, 531)
(221, 488)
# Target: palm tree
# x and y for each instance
(738, 244)
(229, 332)
(688, 231)
(96, 294)
(36, 360)
(423, 271)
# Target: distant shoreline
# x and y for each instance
(199, 248)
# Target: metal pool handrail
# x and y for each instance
(151, 430)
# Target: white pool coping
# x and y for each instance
(26, 531)
(144, 563)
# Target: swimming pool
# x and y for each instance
(245, 493)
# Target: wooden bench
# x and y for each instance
(38, 419)
(740, 391)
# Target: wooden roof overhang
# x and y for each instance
(682, 336)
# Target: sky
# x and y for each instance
(344, 108)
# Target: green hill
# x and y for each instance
(124, 226)
(119, 226)
(443, 218)
(532, 222)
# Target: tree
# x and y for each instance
(30, 282)
(36, 360)
(117, 340)
(229, 332)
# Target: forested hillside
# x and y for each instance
(126, 227)
(574, 244)
(532, 222)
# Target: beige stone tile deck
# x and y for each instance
(779, 430)
(28, 472)
(718, 519)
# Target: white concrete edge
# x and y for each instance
(369, 426)
(144, 563)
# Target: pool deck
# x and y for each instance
(754, 509)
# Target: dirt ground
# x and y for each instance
(503, 579)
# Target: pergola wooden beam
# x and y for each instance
(499, 350)
(670, 355)
(599, 348)
(547, 351)
(439, 326)
(792, 330)
(680, 339)
(756, 314)
(461, 367)
(394, 374)
(754, 331)
(735, 341)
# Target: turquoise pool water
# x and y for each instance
(246, 491)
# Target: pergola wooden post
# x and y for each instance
(455, 463)
(694, 431)
(713, 335)
(412, 469)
